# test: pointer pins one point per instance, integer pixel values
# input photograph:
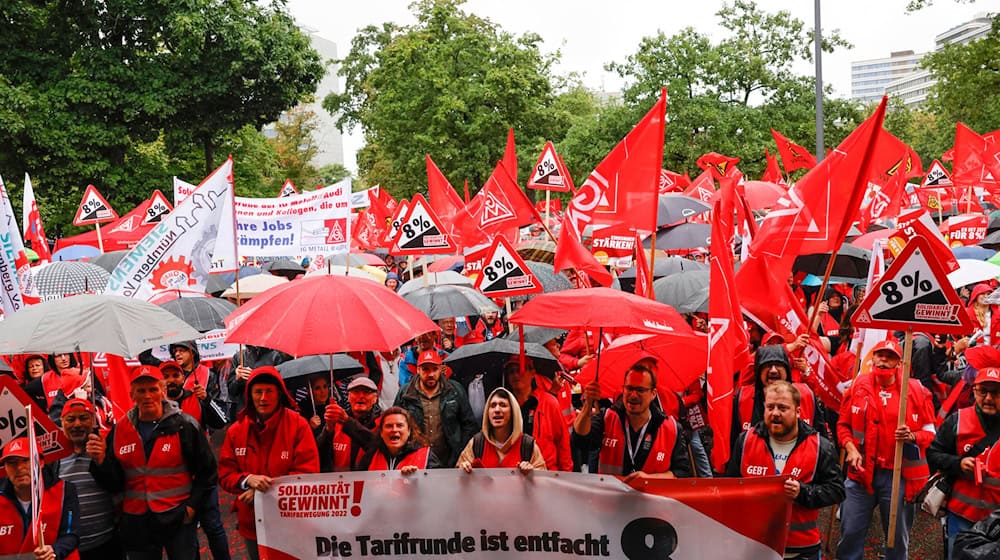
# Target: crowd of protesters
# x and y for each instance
(141, 484)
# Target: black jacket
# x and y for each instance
(981, 541)
(943, 455)
(68, 539)
(457, 420)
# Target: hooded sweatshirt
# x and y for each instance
(496, 451)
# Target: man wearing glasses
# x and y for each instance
(636, 440)
(959, 450)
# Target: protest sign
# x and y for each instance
(310, 223)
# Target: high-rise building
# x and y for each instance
(870, 77)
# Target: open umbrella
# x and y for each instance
(851, 262)
(605, 308)
(217, 283)
(91, 323)
(446, 278)
(687, 291)
(108, 261)
(285, 267)
(972, 271)
(203, 313)
(538, 335)
(538, 251)
(665, 266)
(763, 194)
(60, 279)
(440, 302)
(680, 360)
(550, 280)
(867, 241)
(973, 252)
(75, 253)
(340, 270)
(327, 315)
(682, 236)
(490, 356)
(991, 241)
(343, 366)
(254, 286)
(356, 259)
(673, 208)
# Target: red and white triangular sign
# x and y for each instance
(504, 272)
(158, 208)
(94, 209)
(53, 443)
(127, 225)
(937, 176)
(397, 217)
(421, 232)
(287, 189)
(914, 294)
(549, 174)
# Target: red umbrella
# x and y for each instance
(867, 241)
(762, 194)
(325, 315)
(680, 360)
(605, 308)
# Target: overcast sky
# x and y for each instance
(591, 33)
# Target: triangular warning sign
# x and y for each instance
(549, 174)
(421, 232)
(157, 209)
(287, 189)
(937, 176)
(52, 442)
(504, 272)
(127, 225)
(914, 293)
(393, 226)
(94, 209)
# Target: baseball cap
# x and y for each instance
(987, 374)
(171, 364)
(139, 372)
(362, 383)
(17, 447)
(74, 403)
(891, 345)
(429, 357)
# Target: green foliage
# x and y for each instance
(334, 173)
(295, 149)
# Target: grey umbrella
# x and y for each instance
(550, 280)
(674, 208)
(537, 335)
(683, 236)
(203, 313)
(447, 277)
(108, 261)
(439, 302)
(343, 366)
(92, 323)
(65, 278)
(665, 266)
(687, 292)
(284, 267)
(217, 283)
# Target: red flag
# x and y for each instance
(718, 165)
(773, 172)
(492, 212)
(365, 230)
(892, 164)
(510, 156)
(673, 182)
(977, 159)
(570, 253)
(643, 276)
(442, 196)
(819, 208)
(625, 185)
(118, 385)
(728, 337)
(792, 155)
(702, 188)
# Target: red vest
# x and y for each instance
(342, 459)
(807, 406)
(200, 374)
(491, 457)
(970, 500)
(11, 540)
(191, 406)
(612, 457)
(801, 465)
(417, 459)
(159, 483)
(52, 385)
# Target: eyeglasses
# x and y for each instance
(983, 391)
(639, 390)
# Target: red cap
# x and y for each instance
(987, 374)
(171, 364)
(429, 357)
(17, 447)
(892, 345)
(139, 372)
(73, 403)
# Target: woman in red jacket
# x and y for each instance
(398, 445)
(269, 439)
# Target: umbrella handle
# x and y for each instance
(597, 366)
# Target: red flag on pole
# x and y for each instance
(792, 155)
(773, 172)
(977, 159)
(442, 196)
(643, 276)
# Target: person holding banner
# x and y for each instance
(399, 445)
(635, 439)
(268, 440)
(868, 431)
(58, 509)
(339, 444)
(961, 443)
(502, 442)
(782, 444)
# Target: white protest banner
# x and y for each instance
(360, 199)
(178, 252)
(17, 288)
(211, 346)
(310, 223)
(499, 513)
(182, 190)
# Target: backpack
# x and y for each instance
(527, 446)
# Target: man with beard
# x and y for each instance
(96, 525)
(346, 433)
(58, 509)
(782, 444)
(868, 430)
(635, 439)
(408, 365)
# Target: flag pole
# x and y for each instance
(652, 266)
(890, 539)
(238, 303)
(37, 486)
(548, 195)
(822, 289)
(100, 240)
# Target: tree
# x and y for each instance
(449, 86)
(333, 173)
(295, 147)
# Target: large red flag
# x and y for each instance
(442, 196)
(773, 172)
(718, 165)
(492, 212)
(792, 155)
(625, 185)
(892, 164)
(820, 207)
(570, 253)
(728, 338)
(702, 188)
(510, 156)
(977, 159)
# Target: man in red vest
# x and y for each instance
(162, 461)
(59, 509)
(868, 429)
(965, 436)
(782, 444)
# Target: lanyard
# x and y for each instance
(628, 440)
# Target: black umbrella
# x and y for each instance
(203, 313)
(343, 366)
(851, 262)
(991, 241)
(674, 208)
(285, 267)
(683, 236)
(687, 291)
(489, 357)
(537, 335)
(439, 302)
